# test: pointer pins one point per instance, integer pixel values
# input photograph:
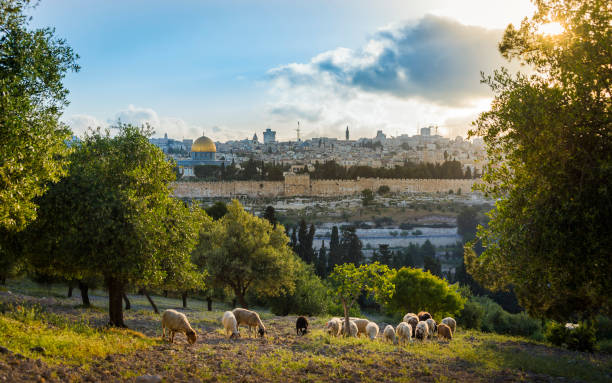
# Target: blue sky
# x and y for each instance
(232, 68)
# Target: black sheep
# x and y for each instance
(301, 326)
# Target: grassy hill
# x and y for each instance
(75, 346)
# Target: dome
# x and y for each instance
(204, 144)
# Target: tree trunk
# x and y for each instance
(70, 287)
(184, 297)
(128, 305)
(347, 331)
(115, 302)
(146, 294)
(165, 293)
(209, 302)
(84, 294)
(241, 301)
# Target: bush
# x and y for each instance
(497, 320)
(582, 338)
(383, 189)
(603, 325)
(557, 334)
(471, 315)
(417, 290)
(605, 346)
(309, 298)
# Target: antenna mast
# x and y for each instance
(298, 131)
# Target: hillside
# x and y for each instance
(77, 347)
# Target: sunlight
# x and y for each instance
(551, 29)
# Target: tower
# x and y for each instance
(298, 132)
(347, 133)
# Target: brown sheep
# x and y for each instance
(444, 332)
(250, 319)
(423, 316)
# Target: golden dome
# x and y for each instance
(204, 144)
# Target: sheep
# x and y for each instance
(423, 315)
(353, 330)
(301, 325)
(389, 334)
(450, 322)
(361, 326)
(432, 327)
(333, 327)
(444, 332)
(230, 325)
(250, 319)
(412, 321)
(422, 330)
(175, 321)
(403, 332)
(372, 330)
(408, 316)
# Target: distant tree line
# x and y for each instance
(251, 170)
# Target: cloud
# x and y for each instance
(79, 123)
(407, 74)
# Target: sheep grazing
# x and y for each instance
(412, 320)
(230, 325)
(301, 326)
(422, 331)
(333, 327)
(250, 319)
(361, 326)
(450, 322)
(389, 334)
(403, 332)
(372, 330)
(444, 332)
(432, 327)
(423, 316)
(175, 322)
(353, 330)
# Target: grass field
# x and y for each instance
(76, 346)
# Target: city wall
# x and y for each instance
(302, 185)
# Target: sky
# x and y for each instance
(232, 68)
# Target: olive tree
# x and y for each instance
(549, 142)
(348, 282)
(114, 216)
(247, 253)
(33, 64)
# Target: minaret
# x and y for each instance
(298, 132)
(347, 133)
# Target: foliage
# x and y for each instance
(217, 210)
(245, 252)
(335, 256)
(331, 170)
(433, 265)
(417, 290)
(309, 298)
(348, 282)
(383, 189)
(270, 215)
(548, 140)
(467, 222)
(33, 148)
(114, 216)
(350, 246)
(497, 320)
(471, 315)
(581, 338)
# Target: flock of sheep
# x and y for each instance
(413, 326)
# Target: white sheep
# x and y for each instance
(372, 330)
(389, 334)
(403, 331)
(353, 330)
(175, 322)
(250, 319)
(230, 325)
(333, 326)
(408, 316)
(432, 327)
(361, 326)
(422, 330)
(450, 322)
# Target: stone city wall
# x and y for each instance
(302, 185)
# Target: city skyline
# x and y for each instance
(235, 67)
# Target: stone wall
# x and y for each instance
(302, 185)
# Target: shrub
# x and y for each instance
(557, 334)
(603, 325)
(605, 346)
(309, 298)
(582, 338)
(471, 315)
(497, 320)
(383, 189)
(336, 309)
(417, 290)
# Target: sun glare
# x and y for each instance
(551, 29)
